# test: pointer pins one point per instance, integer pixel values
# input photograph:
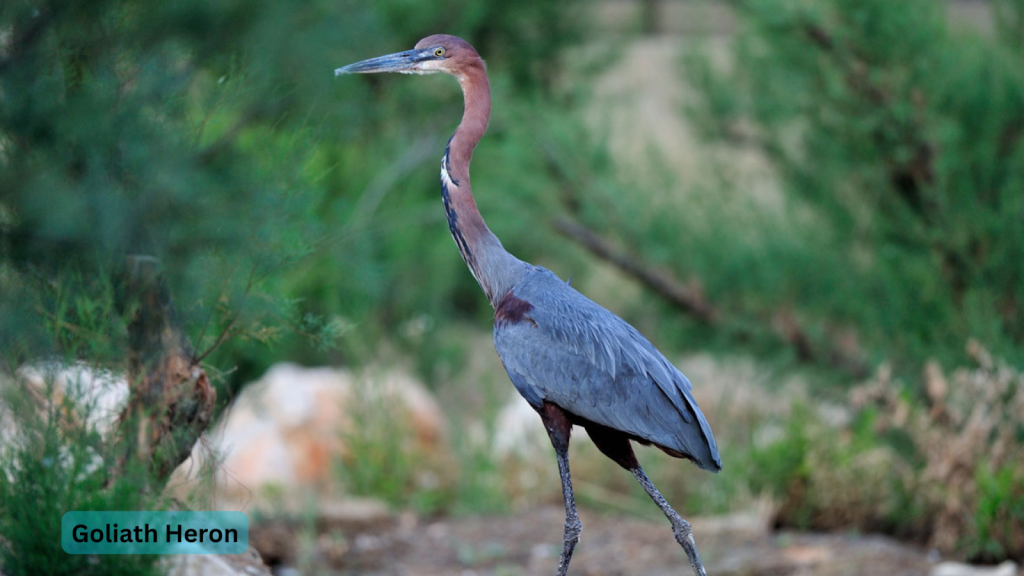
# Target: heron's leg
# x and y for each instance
(680, 527)
(556, 421)
(615, 445)
(573, 526)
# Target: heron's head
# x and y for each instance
(437, 53)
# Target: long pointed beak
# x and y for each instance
(398, 62)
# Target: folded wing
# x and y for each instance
(562, 347)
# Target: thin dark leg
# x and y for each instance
(558, 426)
(680, 527)
(615, 445)
(573, 526)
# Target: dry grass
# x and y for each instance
(969, 437)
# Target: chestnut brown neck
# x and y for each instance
(493, 267)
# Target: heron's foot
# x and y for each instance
(570, 537)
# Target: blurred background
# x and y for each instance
(814, 207)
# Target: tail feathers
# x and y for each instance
(709, 462)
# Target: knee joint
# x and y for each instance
(681, 527)
(573, 528)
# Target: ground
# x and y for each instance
(527, 543)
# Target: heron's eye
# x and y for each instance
(439, 52)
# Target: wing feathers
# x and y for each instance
(592, 363)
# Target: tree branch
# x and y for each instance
(689, 297)
(171, 401)
(840, 352)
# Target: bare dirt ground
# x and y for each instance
(528, 543)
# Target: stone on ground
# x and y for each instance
(286, 433)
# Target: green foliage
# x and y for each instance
(109, 150)
(214, 137)
(999, 514)
(480, 482)
(386, 459)
(823, 477)
(947, 473)
(50, 469)
(898, 151)
(897, 146)
(782, 467)
(383, 460)
(294, 214)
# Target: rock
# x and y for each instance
(275, 453)
(1007, 568)
(337, 523)
(517, 429)
(801, 556)
(284, 433)
(354, 515)
(276, 539)
(247, 564)
(750, 524)
(96, 397)
(519, 432)
(86, 397)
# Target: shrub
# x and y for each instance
(898, 148)
(50, 465)
(968, 437)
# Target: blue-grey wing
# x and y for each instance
(557, 345)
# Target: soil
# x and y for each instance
(528, 543)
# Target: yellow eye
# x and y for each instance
(439, 52)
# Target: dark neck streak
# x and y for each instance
(494, 268)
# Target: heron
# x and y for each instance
(576, 363)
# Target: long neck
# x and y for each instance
(494, 268)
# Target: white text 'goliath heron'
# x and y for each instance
(574, 362)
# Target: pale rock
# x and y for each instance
(354, 515)
(98, 396)
(750, 524)
(518, 431)
(86, 396)
(248, 563)
(1007, 568)
(287, 430)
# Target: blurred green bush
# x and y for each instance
(284, 204)
(290, 207)
(286, 207)
(47, 468)
(898, 146)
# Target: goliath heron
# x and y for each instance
(573, 361)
